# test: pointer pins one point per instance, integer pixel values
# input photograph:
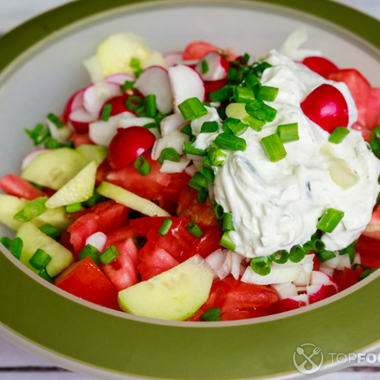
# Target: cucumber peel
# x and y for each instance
(172, 295)
(78, 189)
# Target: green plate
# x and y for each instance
(40, 67)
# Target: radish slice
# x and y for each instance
(320, 278)
(31, 156)
(97, 240)
(140, 122)
(120, 78)
(302, 298)
(102, 132)
(155, 80)
(185, 83)
(92, 100)
(172, 140)
(74, 103)
(285, 290)
(320, 292)
(80, 120)
(175, 167)
(327, 270)
(172, 123)
(173, 58)
(217, 66)
(191, 170)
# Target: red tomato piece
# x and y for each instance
(142, 226)
(104, 217)
(148, 186)
(369, 250)
(15, 185)
(80, 139)
(201, 213)
(197, 50)
(122, 272)
(128, 144)
(154, 261)
(285, 305)
(372, 118)
(373, 228)
(325, 291)
(204, 245)
(177, 185)
(85, 280)
(245, 313)
(327, 107)
(320, 65)
(102, 172)
(359, 88)
(347, 278)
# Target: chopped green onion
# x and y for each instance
(350, 251)
(39, 134)
(207, 170)
(194, 230)
(150, 104)
(207, 104)
(186, 130)
(209, 127)
(245, 58)
(95, 199)
(91, 251)
(296, 254)
(284, 256)
(33, 209)
(54, 119)
(243, 94)
(339, 133)
(52, 144)
(254, 123)
(109, 255)
(227, 242)
(219, 211)
(319, 245)
(261, 265)
(259, 68)
(325, 255)
(253, 106)
(221, 113)
(74, 207)
(45, 275)
(192, 108)
(204, 65)
(212, 314)
(264, 113)
(234, 126)
(375, 142)
(50, 231)
(135, 63)
(273, 147)
(14, 246)
(228, 224)
(288, 132)
(267, 93)
(106, 112)
(202, 195)
(329, 220)
(140, 241)
(37, 186)
(223, 93)
(198, 181)
(142, 166)
(232, 74)
(150, 125)
(165, 227)
(138, 72)
(188, 148)
(127, 84)
(252, 81)
(133, 103)
(40, 259)
(216, 156)
(230, 142)
(366, 273)
(141, 111)
(169, 154)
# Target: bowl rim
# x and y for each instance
(15, 46)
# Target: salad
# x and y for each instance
(200, 185)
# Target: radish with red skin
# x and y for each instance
(74, 103)
(217, 67)
(327, 107)
(372, 117)
(80, 120)
(118, 105)
(197, 50)
(321, 286)
(185, 83)
(155, 80)
(173, 58)
(120, 79)
(320, 65)
(128, 144)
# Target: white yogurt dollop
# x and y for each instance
(277, 205)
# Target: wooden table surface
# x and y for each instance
(16, 364)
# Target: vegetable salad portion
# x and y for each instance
(200, 185)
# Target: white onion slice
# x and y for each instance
(173, 140)
(191, 170)
(175, 167)
(97, 240)
(285, 290)
(172, 123)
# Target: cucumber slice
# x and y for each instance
(34, 239)
(78, 189)
(10, 206)
(93, 152)
(173, 295)
(55, 168)
(130, 200)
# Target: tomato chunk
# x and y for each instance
(128, 144)
(320, 65)
(15, 185)
(327, 107)
(347, 277)
(285, 305)
(369, 250)
(85, 280)
(80, 139)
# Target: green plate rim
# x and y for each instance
(136, 347)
